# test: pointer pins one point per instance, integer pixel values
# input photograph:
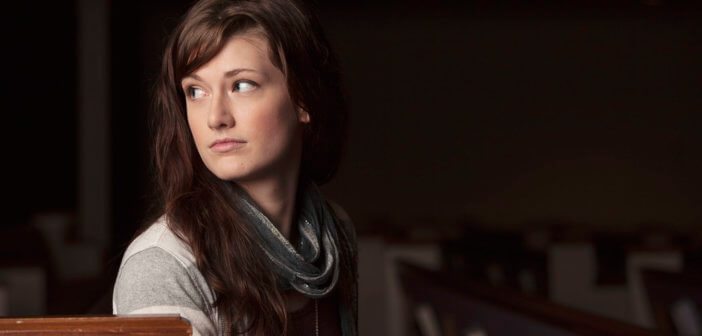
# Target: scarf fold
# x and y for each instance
(311, 267)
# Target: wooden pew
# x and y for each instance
(665, 289)
(171, 325)
(461, 305)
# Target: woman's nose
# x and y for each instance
(220, 115)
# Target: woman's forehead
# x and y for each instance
(249, 46)
(241, 52)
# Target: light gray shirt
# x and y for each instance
(158, 275)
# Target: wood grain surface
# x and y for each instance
(96, 325)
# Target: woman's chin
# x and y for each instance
(238, 176)
(231, 177)
(228, 171)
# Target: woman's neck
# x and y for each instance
(276, 198)
(275, 192)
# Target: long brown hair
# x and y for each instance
(192, 198)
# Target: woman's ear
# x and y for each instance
(303, 116)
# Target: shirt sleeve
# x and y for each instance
(153, 281)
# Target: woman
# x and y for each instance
(249, 119)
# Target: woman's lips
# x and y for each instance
(226, 145)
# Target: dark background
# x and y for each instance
(507, 114)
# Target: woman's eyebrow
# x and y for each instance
(232, 73)
(228, 74)
(193, 76)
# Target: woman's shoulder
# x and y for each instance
(159, 235)
(158, 274)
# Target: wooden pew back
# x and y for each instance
(501, 311)
(170, 325)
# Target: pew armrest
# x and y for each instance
(92, 325)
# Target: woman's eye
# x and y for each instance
(244, 86)
(195, 93)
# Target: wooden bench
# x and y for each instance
(665, 289)
(96, 325)
(461, 305)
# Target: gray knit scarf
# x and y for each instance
(311, 267)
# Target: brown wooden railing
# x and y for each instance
(96, 325)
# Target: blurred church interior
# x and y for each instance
(513, 168)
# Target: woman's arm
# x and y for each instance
(153, 281)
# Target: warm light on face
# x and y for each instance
(242, 119)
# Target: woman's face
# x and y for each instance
(244, 123)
